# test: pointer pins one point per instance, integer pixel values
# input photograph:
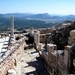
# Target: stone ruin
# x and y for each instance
(58, 50)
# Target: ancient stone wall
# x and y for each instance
(12, 60)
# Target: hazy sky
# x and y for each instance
(60, 7)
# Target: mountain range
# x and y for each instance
(44, 16)
(27, 20)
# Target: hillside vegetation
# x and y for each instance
(20, 24)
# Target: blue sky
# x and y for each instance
(60, 7)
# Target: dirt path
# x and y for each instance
(30, 63)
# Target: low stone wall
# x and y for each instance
(12, 60)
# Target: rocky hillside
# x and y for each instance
(61, 34)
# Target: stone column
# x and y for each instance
(12, 25)
(50, 48)
(37, 37)
(67, 57)
(12, 29)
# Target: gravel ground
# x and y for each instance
(30, 63)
